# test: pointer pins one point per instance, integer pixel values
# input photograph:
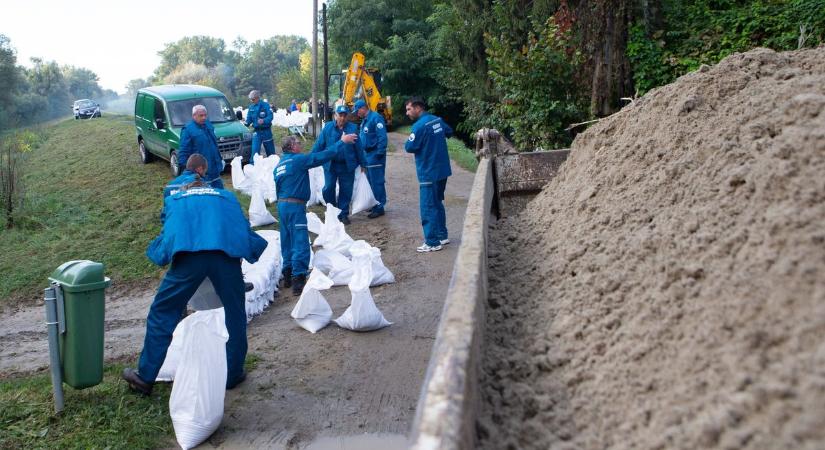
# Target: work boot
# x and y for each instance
(373, 214)
(298, 283)
(287, 274)
(234, 383)
(136, 384)
(345, 220)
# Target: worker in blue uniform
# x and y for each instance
(199, 239)
(259, 115)
(341, 169)
(198, 136)
(428, 142)
(292, 186)
(373, 137)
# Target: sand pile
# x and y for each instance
(667, 289)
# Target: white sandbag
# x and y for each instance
(333, 235)
(263, 275)
(362, 314)
(362, 196)
(312, 312)
(380, 273)
(337, 266)
(314, 224)
(316, 186)
(240, 182)
(196, 402)
(170, 364)
(258, 214)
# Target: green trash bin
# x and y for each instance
(81, 345)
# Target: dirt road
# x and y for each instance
(312, 389)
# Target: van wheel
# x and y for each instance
(145, 156)
(173, 163)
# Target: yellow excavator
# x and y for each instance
(360, 82)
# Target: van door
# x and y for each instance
(161, 127)
(142, 121)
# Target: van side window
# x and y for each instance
(139, 105)
(159, 110)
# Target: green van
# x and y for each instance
(162, 111)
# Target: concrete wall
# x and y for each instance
(445, 417)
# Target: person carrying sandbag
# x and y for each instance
(292, 187)
(200, 239)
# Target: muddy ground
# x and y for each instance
(308, 387)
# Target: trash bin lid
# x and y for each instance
(80, 276)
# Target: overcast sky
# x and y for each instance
(119, 40)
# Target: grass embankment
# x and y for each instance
(460, 153)
(87, 196)
(104, 416)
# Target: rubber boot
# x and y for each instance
(298, 283)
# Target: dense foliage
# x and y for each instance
(705, 31)
(44, 91)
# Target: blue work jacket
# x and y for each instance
(259, 111)
(428, 141)
(201, 139)
(291, 173)
(182, 180)
(373, 134)
(205, 218)
(350, 156)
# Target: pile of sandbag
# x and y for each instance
(341, 261)
(263, 274)
(293, 119)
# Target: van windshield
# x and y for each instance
(217, 110)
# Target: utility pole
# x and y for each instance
(326, 62)
(314, 69)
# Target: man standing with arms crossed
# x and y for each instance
(428, 141)
(259, 115)
(198, 136)
(373, 137)
(292, 186)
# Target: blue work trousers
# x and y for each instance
(433, 216)
(294, 237)
(262, 137)
(345, 179)
(376, 165)
(185, 274)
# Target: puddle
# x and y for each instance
(360, 442)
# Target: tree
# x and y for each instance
(266, 61)
(82, 83)
(204, 50)
(46, 80)
(9, 79)
(133, 86)
(297, 83)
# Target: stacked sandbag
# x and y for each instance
(263, 275)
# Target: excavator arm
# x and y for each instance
(359, 83)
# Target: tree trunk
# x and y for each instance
(604, 30)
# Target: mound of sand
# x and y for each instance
(667, 289)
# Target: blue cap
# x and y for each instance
(341, 109)
(358, 105)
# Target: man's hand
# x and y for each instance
(260, 121)
(349, 138)
(363, 169)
